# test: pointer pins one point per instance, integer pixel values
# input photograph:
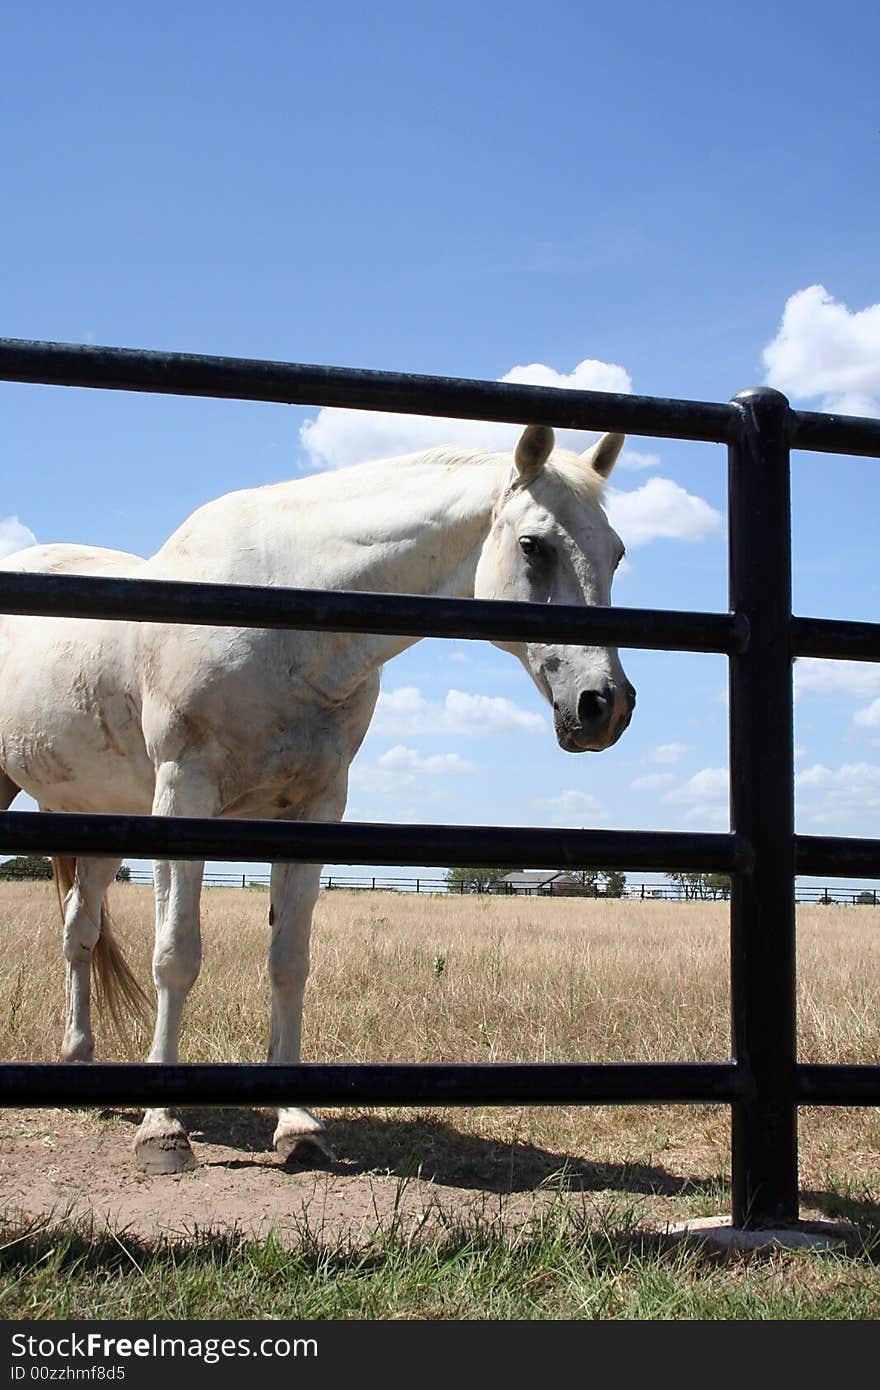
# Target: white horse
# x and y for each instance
(174, 720)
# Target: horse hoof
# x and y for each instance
(304, 1148)
(163, 1154)
(303, 1143)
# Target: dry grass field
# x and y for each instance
(403, 978)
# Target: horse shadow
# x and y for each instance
(436, 1151)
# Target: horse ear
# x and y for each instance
(533, 450)
(603, 455)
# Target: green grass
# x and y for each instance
(564, 1263)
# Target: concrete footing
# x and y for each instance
(719, 1234)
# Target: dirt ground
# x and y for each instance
(389, 1170)
(392, 1172)
(73, 1163)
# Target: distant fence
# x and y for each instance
(763, 1082)
(842, 894)
(845, 894)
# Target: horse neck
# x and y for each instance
(414, 526)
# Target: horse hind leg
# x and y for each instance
(82, 884)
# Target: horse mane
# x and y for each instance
(582, 481)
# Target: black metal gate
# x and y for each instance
(764, 1084)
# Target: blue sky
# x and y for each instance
(466, 190)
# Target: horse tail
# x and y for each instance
(120, 996)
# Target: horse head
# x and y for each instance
(550, 541)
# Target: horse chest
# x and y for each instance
(287, 773)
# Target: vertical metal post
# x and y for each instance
(762, 913)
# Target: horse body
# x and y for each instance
(202, 721)
(70, 728)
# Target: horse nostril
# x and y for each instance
(594, 705)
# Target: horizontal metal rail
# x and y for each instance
(350, 842)
(838, 1083)
(368, 1083)
(291, 383)
(353, 842)
(834, 434)
(34, 1084)
(412, 615)
(836, 856)
(401, 615)
(835, 638)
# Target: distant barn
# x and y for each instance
(548, 883)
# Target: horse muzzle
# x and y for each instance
(601, 716)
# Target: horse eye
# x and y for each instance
(529, 545)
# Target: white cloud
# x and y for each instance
(14, 536)
(653, 781)
(336, 438)
(845, 799)
(635, 461)
(666, 753)
(824, 349)
(572, 805)
(570, 801)
(588, 375)
(822, 676)
(403, 772)
(402, 759)
(705, 796)
(869, 718)
(406, 712)
(660, 510)
(852, 403)
(816, 776)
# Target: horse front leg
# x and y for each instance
(161, 1143)
(294, 892)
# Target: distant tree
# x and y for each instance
(684, 882)
(717, 885)
(480, 880)
(613, 883)
(576, 883)
(589, 883)
(701, 885)
(867, 897)
(26, 866)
